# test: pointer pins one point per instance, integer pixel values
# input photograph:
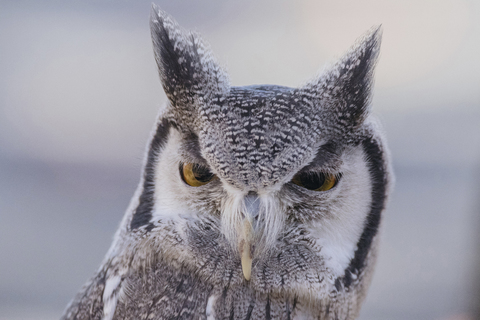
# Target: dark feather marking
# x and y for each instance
(173, 73)
(232, 311)
(294, 304)
(279, 262)
(250, 308)
(287, 307)
(149, 227)
(230, 278)
(225, 290)
(378, 174)
(338, 284)
(267, 309)
(224, 293)
(348, 278)
(359, 81)
(143, 212)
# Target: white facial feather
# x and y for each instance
(339, 233)
(170, 190)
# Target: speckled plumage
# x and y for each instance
(177, 253)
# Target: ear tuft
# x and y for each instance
(344, 90)
(186, 65)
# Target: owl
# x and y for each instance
(256, 202)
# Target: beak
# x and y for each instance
(247, 234)
(246, 249)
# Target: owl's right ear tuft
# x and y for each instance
(186, 65)
(344, 90)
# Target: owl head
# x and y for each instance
(279, 190)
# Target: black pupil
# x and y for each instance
(201, 173)
(312, 181)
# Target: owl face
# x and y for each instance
(275, 189)
(322, 203)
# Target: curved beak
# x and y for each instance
(247, 234)
(246, 249)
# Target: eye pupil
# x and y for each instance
(201, 173)
(316, 181)
(195, 175)
(312, 181)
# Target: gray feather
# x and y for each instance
(180, 250)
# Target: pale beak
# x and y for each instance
(247, 234)
(246, 249)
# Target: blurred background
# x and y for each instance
(79, 93)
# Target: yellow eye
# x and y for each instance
(316, 181)
(196, 175)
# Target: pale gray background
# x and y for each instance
(79, 93)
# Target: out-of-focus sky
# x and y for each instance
(79, 93)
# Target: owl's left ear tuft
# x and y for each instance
(344, 89)
(186, 65)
